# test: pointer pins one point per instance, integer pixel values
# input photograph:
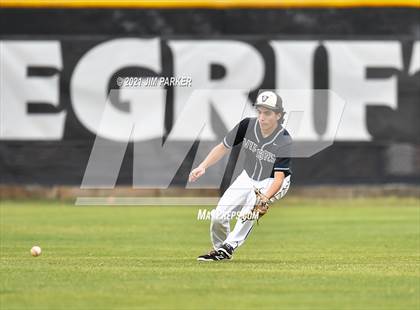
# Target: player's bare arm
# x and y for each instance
(275, 186)
(213, 157)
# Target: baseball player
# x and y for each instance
(264, 179)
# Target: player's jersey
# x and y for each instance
(263, 156)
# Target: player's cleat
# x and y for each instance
(210, 256)
(225, 251)
(213, 256)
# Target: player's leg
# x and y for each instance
(242, 229)
(231, 201)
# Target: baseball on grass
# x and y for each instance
(36, 251)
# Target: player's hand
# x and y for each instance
(261, 198)
(261, 209)
(196, 173)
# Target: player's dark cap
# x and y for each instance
(270, 100)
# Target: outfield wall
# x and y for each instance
(126, 195)
(369, 56)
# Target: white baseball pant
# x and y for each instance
(238, 198)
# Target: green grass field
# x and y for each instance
(326, 254)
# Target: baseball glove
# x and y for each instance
(262, 203)
(260, 208)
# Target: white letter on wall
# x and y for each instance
(348, 65)
(294, 71)
(17, 90)
(244, 69)
(89, 91)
